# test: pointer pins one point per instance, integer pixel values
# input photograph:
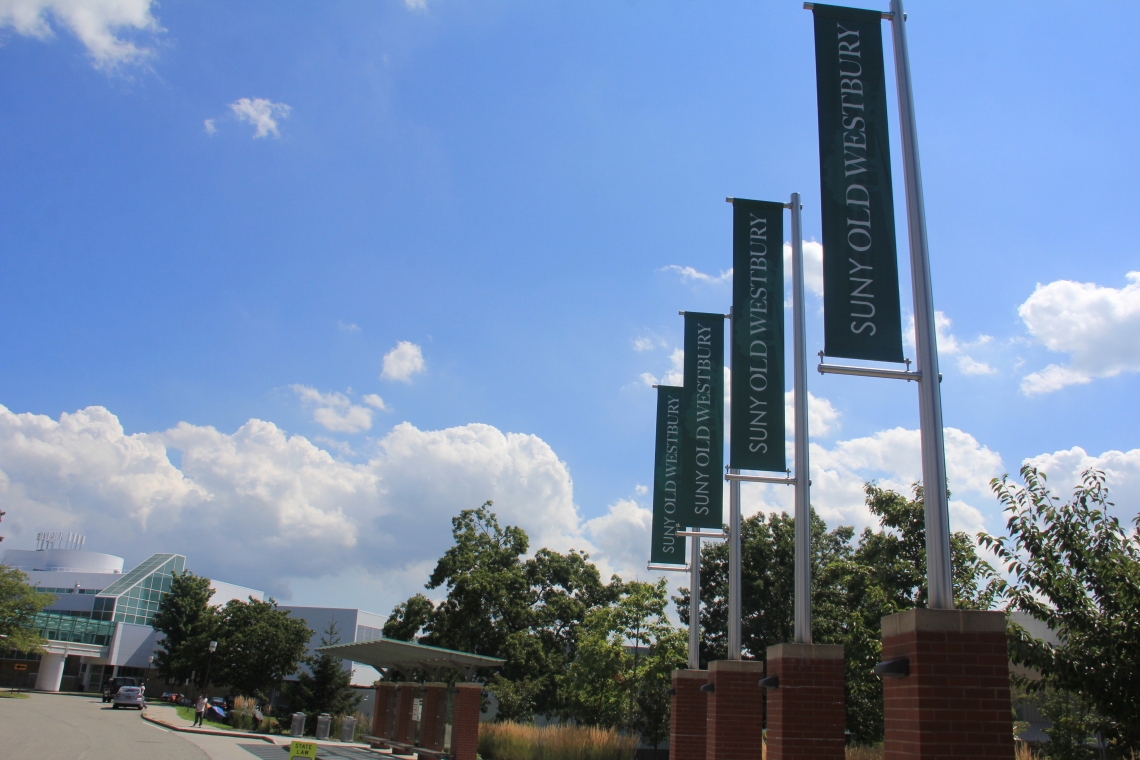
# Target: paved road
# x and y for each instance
(57, 727)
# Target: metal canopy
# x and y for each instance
(406, 656)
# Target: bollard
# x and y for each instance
(347, 728)
(298, 727)
(324, 720)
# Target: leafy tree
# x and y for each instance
(609, 685)
(326, 687)
(408, 618)
(188, 624)
(19, 604)
(1074, 567)
(258, 645)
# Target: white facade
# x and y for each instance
(352, 625)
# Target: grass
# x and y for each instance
(187, 713)
(12, 695)
(518, 741)
(865, 753)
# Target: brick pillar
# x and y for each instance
(955, 701)
(805, 709)
(465, 720)
(384, 709)
(687, 727)
(735, 710)
(404, 730)
(432, 718)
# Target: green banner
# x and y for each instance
(702, 423)
(861, 316)
(756, 429)
(667, 546)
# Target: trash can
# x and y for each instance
(323, 723)
(347, 728)
(298, 727)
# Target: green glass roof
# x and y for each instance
(140, 573)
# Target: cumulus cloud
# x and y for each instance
(892, 458)
(375, 401)
(403, 361)
(688, 274)
(813, 267)
(823, 417)
(262, 113)
(415, 5)
(1121, 468)
(648, 342)
(211, 126)
(1098, 327)
(99, 25)
(675, 375)
(950, 345)
(348, 327)
(334, 411)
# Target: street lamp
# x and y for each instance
(206, 683)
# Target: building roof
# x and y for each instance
(406, 656)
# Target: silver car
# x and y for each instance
(128, 696)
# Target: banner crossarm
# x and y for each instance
(699, 534)
(893, 374)
(667, 567)
(887, 15)
(789, 481)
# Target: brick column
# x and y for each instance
(404, 730)
(687, 728)
(465, 720)
(735, 710)
(384, 710)
(954, 703)
(432, 718)
(805, 708)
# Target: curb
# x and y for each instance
(207, 731)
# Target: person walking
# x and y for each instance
(200, 710)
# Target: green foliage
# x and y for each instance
(608, 685)
(408, 618)
(19, 603)
(1074, 567)
(188, 625)
(326, 687)
(853, 586)
(258, 645)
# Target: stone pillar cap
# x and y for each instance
(959, 621)
(468, 685)
(730, 666)
(805, 652)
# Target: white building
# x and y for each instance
(100, 623)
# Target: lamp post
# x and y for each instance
(206, 682)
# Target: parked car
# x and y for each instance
(171, 696)
(128, 696)
(114, 684)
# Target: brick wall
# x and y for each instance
(955, 703)
(806, 711)
(734, 710)
(687, 731)
(432, 717)
(384, 709)
(465, 720)
(404, 729)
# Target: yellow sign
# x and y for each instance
(20, 666)
(302, 749)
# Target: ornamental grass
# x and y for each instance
(520, 741)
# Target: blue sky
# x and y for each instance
(223, 213)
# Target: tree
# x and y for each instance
(258, 645)
(327, 686)
(20, 602)
(409, 618)
(626, 654)
(1074, 567)
(188, 624)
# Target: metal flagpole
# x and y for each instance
(803, 500)
(939, 580)
(734, 567)
(694, 602)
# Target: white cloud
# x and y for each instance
(375, 401)
(403, 361)
(641, 490)
(1121, 468)
(334, 411)
(622, 539)
(211, 126)
(648, 342)
(1098, 327)
(261, 113)
(813, 267)
(259, 506)
(951, 345)
(823, 418)
(415, 5)
(892, 458)
(688, 274)
(675, 375)
(99, 25)
(350, 327)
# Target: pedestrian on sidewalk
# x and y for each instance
(200, 710)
